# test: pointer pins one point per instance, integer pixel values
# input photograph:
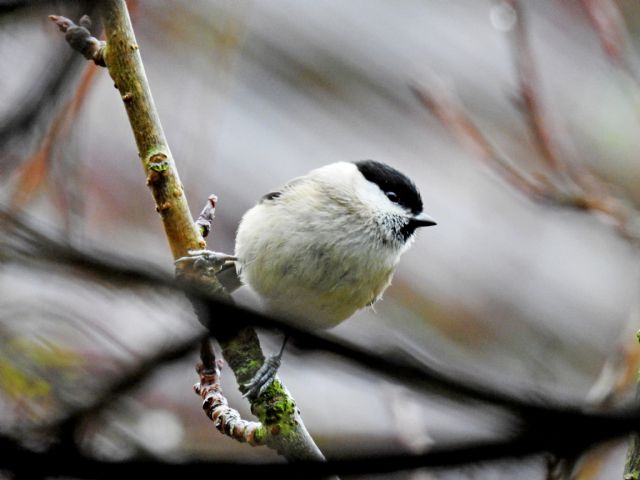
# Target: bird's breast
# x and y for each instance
(319, 275)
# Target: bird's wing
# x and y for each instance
(290, 185)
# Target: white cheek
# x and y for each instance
(390, 217)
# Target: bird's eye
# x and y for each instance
(392, 196)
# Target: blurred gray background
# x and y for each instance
(529, 296)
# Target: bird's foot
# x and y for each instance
(264, 377)
(207, 260)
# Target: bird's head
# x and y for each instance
(393, 199)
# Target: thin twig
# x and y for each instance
(80, 39)
(208, 213)
(34, 171)
(576, 185)
(439, 100)
(226, 419)
(527, 80)
(609, 24)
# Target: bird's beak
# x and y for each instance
(422, 220)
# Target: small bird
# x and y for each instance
(326, 244)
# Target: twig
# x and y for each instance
(632, 463)
(575, 186)
(532, 107)
(45, 88)
(127, 381)
(205, 219)
(33, 171)
(588, 465)
(226, 419)
(608, 22)
(620, 370)
(80, 39)
(438, 99)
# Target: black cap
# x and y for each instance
(391, 181)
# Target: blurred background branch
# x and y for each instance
(561, 181)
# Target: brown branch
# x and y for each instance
(226, 419)
(589, 465)
(527, 79)
(124, 62)
(609, 24)
(439, 100)
(632, 463)
(34, 171)
(619, 373)
(594, 193)
(276, 409)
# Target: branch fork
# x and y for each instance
(227, 420)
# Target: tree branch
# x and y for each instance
(34, 171)
(276, 409)
(226, 419)
(632, 463)
(122, 57)
(527, 80)
(608, 22)
(441, 102)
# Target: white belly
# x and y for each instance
(318, 275)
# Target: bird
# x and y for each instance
(325, 245)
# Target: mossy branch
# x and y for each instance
(276, 409)
(632, 463)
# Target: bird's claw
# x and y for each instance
(207, 260)
(264, 377)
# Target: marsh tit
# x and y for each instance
(326, 244)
